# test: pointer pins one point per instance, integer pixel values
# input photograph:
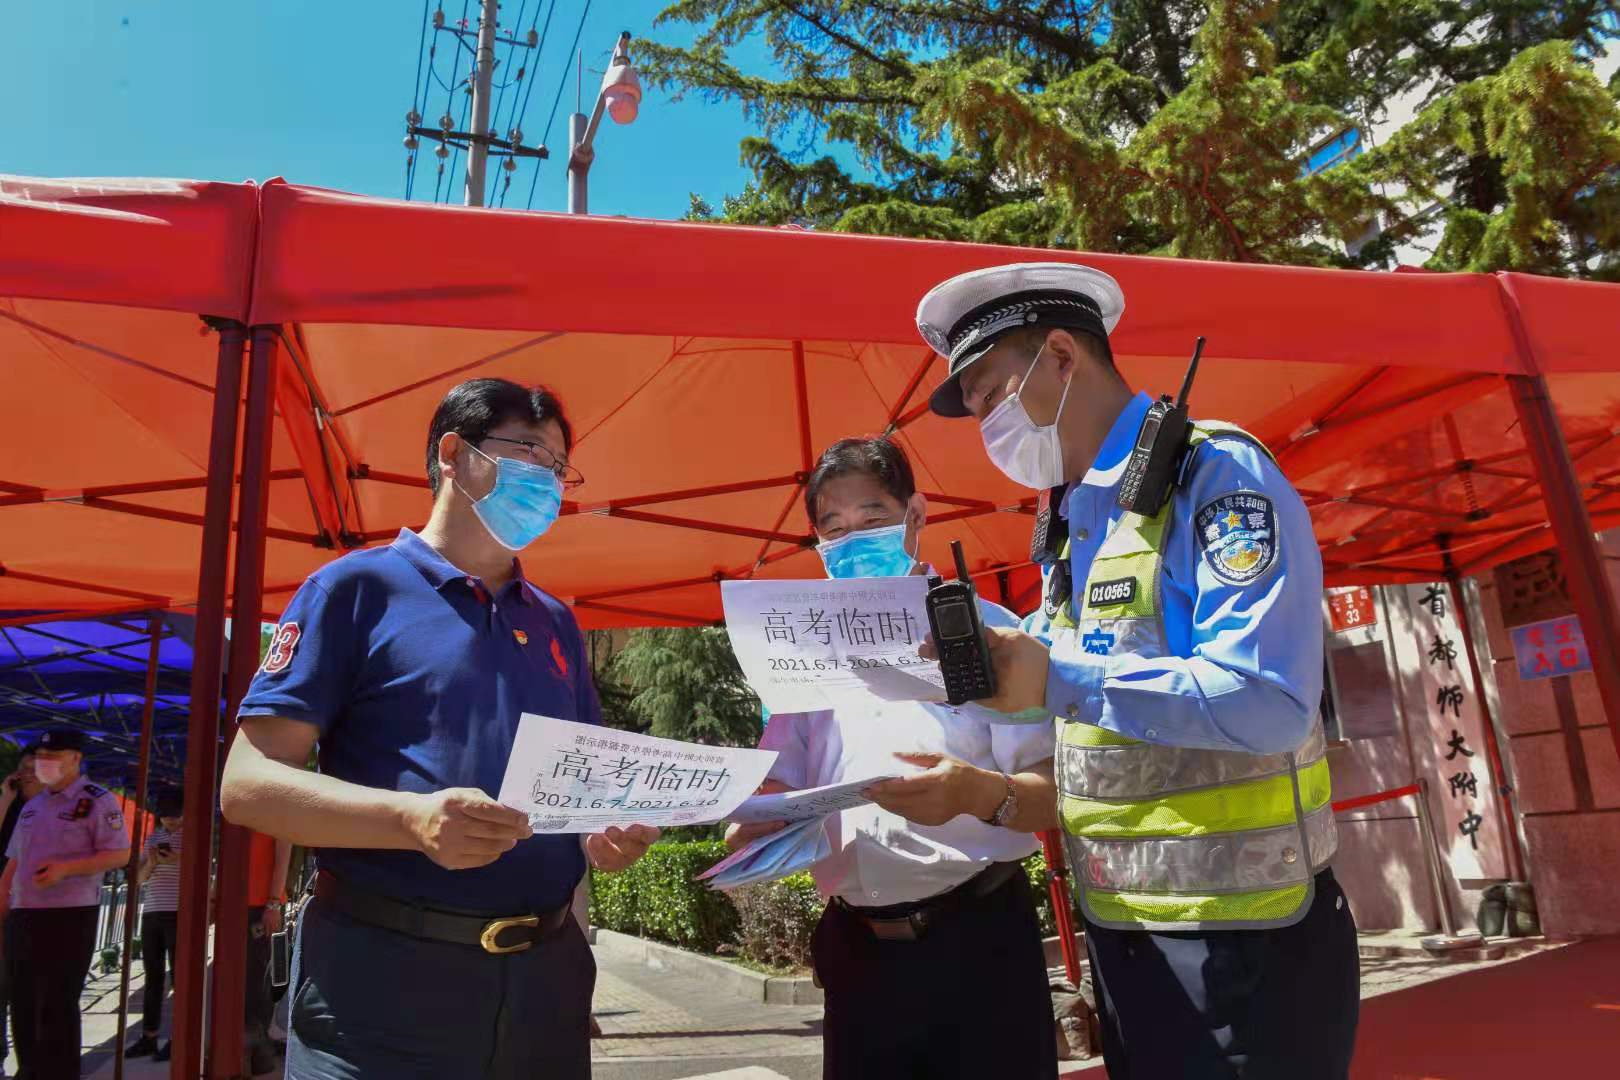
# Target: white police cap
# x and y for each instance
(961, 319)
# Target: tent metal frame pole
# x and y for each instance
(137, 842)
(202, 735)
(1583, 562)
(229, 991)
(1057, 886)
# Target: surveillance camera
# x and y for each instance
(621, 89)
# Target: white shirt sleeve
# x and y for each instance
(785, 733)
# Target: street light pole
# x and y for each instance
(477, 149)
(579, 160)
(620, 98)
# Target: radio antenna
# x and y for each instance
(961, 561)
(1192, 369)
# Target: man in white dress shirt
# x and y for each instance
(929, 949)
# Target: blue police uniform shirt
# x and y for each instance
(1245, 629)
(416, 679)
(81, 820)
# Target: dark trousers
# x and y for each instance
(48, 951)
(158, 934)
(1231, 1004)
(258, 1004)
(369, 1003)
(968, 999)
(5, 1000)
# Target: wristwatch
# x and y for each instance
(1009, 806)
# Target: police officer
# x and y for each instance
(439, 942)
(1181, 654)
(67, 837)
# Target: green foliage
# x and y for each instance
(1035, 868)
(1523, 165)
(685, 684)
(776, 920)
(1173, 127)
(613, 695)
(657, 897)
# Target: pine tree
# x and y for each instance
(685, 684)
(1173, 128)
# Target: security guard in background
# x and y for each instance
(1181, 654)
(67, 837)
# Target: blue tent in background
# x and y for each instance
(91, 674)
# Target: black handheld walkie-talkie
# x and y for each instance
(953, 616)
(1160, 444)
(1051, 527)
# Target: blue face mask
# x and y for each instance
(523, 503)
(868, 553)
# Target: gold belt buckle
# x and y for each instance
(492, 931)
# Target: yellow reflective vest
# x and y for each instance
(1176, 838)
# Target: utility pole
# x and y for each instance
(479, 143)
(478, 152)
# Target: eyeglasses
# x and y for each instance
(543, 457)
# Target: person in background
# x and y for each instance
(929, 949)
(68, 836)
(159, 873)
(268, 859)
(439, 942)
(17, 789)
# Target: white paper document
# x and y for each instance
(806, 803)
(581, 778)
(806, 645)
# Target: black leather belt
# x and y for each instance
(909, 922)
(497, 936)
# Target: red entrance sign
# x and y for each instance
(1351, 608)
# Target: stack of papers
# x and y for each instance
(797, 847)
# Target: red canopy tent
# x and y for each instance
(704, 367)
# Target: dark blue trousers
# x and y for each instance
(1233, 1004)
(370, 1004)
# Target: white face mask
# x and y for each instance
(1028, 453)
(49, 772)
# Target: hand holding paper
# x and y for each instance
(580, 778)
(946, 788)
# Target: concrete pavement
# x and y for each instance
(667, 1025)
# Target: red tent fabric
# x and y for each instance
(704, 366)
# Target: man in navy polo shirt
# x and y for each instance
(440, 941)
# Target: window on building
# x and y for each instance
(1332, 151)
(1359, 693)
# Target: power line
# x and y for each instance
(416, 100)
(561, 85)
(511, 51)
(521, 110)
(449, 104)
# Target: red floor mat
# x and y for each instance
(1545, 1017)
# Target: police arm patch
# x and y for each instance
(1237, 533)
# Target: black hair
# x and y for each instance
(170, 802)
(876, 456)
(478, 406)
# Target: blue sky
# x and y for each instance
(317, 92)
